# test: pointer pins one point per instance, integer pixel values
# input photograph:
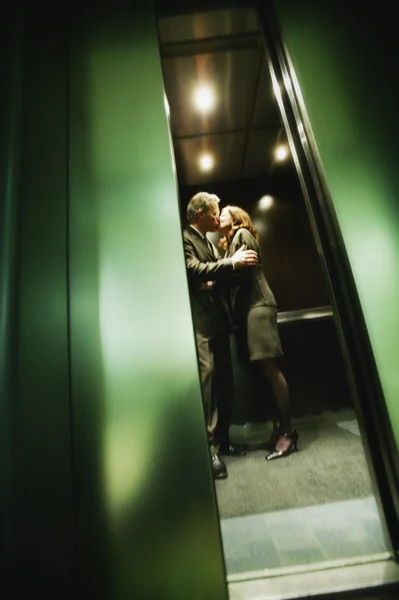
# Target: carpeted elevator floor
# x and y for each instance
(316, 505)
(330, 466)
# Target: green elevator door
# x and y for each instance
(111, 494)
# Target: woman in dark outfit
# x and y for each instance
(255, 313)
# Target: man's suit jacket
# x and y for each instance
(210, 309)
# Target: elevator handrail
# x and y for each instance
(291, 316)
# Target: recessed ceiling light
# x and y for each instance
(281, 152)
(206, 162)
(266, 202)
(204, 98)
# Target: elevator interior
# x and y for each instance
(233, 143)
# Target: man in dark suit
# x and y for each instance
(208, 278)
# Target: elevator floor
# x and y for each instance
(329, 467)
(303, 536)
(315, 506)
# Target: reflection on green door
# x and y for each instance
(147, 520)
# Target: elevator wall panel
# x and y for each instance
(147, 523)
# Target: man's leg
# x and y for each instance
(206, 362)
(223, 370)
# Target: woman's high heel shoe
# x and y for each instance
(293, 447)
(273, 439)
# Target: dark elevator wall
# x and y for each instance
(110, 492)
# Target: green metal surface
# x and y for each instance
(10, 151)
(147, 523)
(109, 493)
(347, 82)
(10, 125)
(41, 551)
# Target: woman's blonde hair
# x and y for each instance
(241, 220)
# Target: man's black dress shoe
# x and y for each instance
(232, 449)
(219, 469)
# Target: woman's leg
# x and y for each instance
(281, 393)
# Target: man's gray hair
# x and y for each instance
(201, 201)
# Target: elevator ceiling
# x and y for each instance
(223, 49)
